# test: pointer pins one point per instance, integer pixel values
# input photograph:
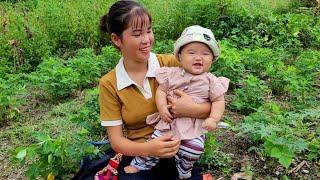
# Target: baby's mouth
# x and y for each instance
(197, 64)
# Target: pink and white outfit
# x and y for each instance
(204, 87)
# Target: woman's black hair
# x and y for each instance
(121, 15)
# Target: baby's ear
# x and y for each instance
(179, 57)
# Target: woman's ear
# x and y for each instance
(115, 39)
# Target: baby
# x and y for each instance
(196, 50)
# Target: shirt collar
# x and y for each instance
(123, 79)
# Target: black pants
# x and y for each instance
(164, 170)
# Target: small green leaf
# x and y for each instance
(50, 157)
(41, 136)
(285, 160)
(21, 154)
(283, 155)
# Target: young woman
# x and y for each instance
(127, 94)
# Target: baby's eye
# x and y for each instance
(191, 52)
(206, 53)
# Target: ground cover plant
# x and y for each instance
(52, 56)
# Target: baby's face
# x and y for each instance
(196, 58)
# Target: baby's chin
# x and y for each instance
(196, 72)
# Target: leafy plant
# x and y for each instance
(230, 64)
(281, 132)
(163, 47)
(88, 115)
(56, 157)
(58, 80)
(285, 80)
(214, 159)
(11, 88)
(250, 96)
(107, 59)
(86, 65)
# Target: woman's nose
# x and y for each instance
(145, 39)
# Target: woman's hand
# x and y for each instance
(180, 106)
(186, 107)
(164, 146)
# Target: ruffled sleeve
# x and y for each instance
(218, 86)
(162, 75)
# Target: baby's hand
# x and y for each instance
(165, 114)
(210, 124)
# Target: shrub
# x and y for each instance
(285, 81)
(229, 64)
(11, 88)
(86, 65)
(163, 47)
(281, 133)
(88, 115)
(56, 157)
(250, 96)
(108, 59)
(256, 60)
(213, 159)
(56, 79)
(36, 30)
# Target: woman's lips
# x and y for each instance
(145, 49)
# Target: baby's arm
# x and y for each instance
(217, 109)
(162, 105)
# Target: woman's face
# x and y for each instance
(196, 58)
(137, 40)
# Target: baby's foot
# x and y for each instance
(131, 169)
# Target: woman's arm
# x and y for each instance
(186, 107)
(163, 147)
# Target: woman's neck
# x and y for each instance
(136, 70)
(134, 66)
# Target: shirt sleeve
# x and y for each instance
(162, 78)
(110, 107)
(218, 86)
(168, 60)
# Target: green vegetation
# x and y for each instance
(52, 56)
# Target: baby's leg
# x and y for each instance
(189, 152)
(139, 163)
(143, 163)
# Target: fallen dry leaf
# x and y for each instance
(241, 175)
